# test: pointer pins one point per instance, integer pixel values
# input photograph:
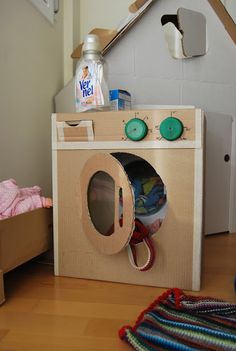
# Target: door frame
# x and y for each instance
(114, 243)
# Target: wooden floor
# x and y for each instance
(47, 313)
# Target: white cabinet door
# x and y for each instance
(217, 172)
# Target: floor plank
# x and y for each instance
(44, 312)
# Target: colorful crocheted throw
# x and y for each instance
(176, 321)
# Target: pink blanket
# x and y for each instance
(15, 200)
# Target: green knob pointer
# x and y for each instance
(171, 128)
(136, 129)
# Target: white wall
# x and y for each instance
(140, 61)
(101, 14)
(31, 73)
(71, 37)
(154, 77)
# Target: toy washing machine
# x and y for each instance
(118, 174)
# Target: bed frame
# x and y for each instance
(22, 238)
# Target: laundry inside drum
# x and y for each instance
(149, 190)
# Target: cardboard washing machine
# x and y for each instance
(95, 199)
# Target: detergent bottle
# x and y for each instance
(91, 88)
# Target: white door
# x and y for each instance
(217, 172)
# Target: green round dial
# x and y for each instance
(171, 128)
(136, 129)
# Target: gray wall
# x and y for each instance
(31, 73)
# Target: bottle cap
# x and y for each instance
(92, 42)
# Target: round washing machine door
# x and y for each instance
(104, 186)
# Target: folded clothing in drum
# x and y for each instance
(149, 193)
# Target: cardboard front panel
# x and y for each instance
(173, 242)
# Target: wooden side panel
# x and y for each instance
(24, 236)
(2, 296)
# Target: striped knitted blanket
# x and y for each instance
(176, 321)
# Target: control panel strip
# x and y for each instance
(106, 145)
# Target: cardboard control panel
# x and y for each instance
(150, 125)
